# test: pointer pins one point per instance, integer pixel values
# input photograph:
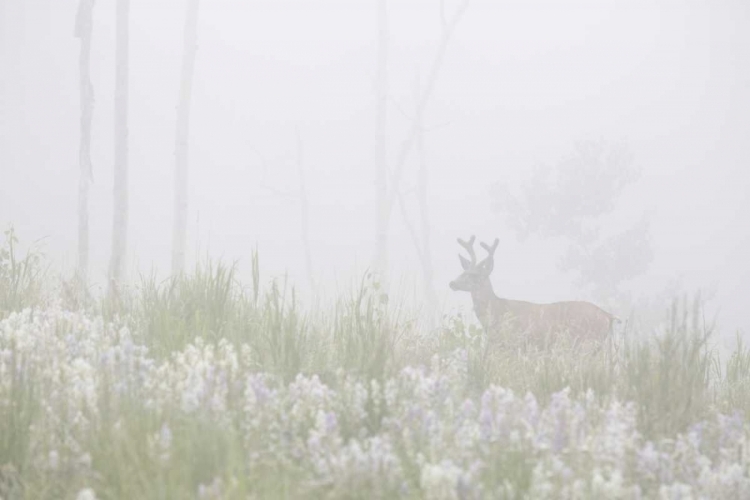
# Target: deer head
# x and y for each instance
(476, 275)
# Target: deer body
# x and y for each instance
(535, 323)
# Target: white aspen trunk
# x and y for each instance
(179, 227)
(120, 190)
(83, 29)
(381, 180)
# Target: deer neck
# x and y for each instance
(486, 303)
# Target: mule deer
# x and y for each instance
(535, 323)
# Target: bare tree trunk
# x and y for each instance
(387, 197)
(381, 180)
(83, 29)
(305, 214)
(120, 206)
(179, 228)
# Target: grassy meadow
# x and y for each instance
(202, 387)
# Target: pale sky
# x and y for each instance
(522, 83)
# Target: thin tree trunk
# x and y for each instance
(120, 206)
(381, 180)
(83, 30)
(179, 228)
(437, 63)
(416, 137)
(305, 213)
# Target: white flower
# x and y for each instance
(53, 459)
(440, 481)
(86, 494)
(675, 491)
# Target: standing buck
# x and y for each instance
(538, 324)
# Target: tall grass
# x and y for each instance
(236, 389)
(175, 312)
(359, 334)
(21, 278)
(674, 380)
(19, 408)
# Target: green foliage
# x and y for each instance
(278, 333)
(21, 279)
(735, 391)
(671, 378)
(19, 406)
(358, 335)
(365, 333)
(75, 294)
(175, 312)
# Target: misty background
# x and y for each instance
(533, 101)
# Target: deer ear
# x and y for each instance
(488, 264)
(464, 262)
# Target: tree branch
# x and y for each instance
(407, 145)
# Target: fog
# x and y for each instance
(523, 86)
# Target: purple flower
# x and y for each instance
(331, 422)
(485, 423)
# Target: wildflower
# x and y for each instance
(86, 494)
(53, 459)
(442, 481)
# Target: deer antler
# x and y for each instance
(491, 249)
(469, 247)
